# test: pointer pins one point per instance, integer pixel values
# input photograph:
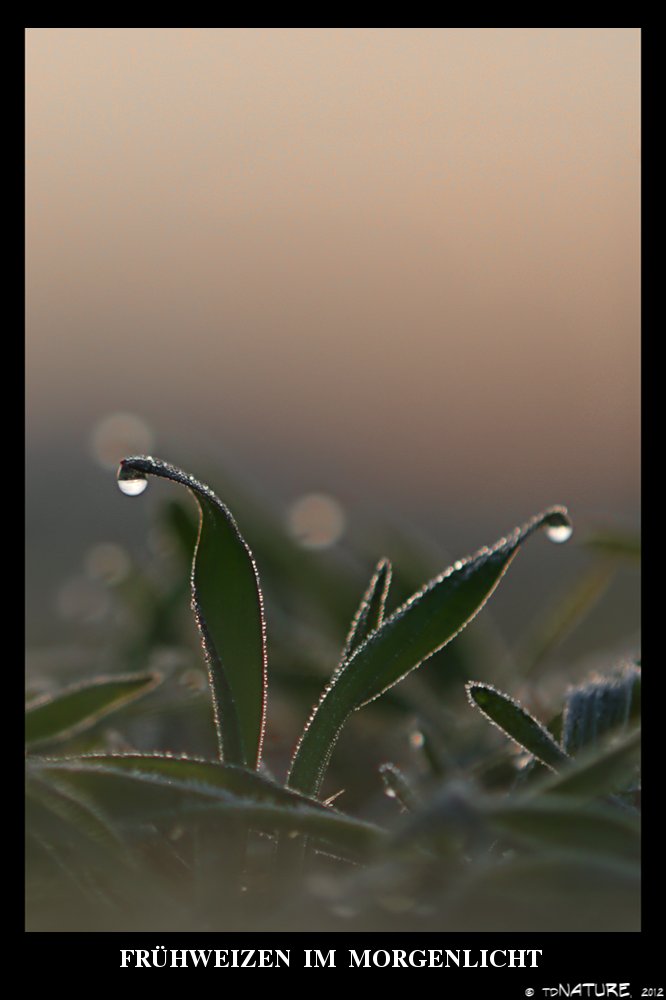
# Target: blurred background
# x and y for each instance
(385, 281)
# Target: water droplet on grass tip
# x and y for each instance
(559, 532)
(131, 482)
(558, 526)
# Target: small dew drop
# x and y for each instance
(559, 533)
(131, 482)
(132, 487)
(557, 525)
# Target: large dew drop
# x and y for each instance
(131, 482)
(559, 532)
(557, 525)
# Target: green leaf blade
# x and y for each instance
(515, 722)
(231, 779)
(228, 608)
(119, 786)
(598, 770)
(564, 823)
(71, 711)
(74, 810)
(420, 627)
(370, 614)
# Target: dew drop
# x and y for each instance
(557, 526)
(131, 482)
(559, 532)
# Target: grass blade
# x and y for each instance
(563, 616)
(615, 544)
(227, 778)
(421, 626)
(75, 810)
(228, 607)
(77, 708)
(370, 612)
(131, 796)
(562, 822)
(515, 722)
(598, 771)
(397, 787)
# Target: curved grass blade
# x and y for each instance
(420, 627)
(77, 708)
(515, 722)
(130, 796)
(232, 779)
(228, 608)
(370, 614)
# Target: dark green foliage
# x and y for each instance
(512, 718)
(425, 623)
(469, 835)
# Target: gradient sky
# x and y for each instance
(403, 258)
